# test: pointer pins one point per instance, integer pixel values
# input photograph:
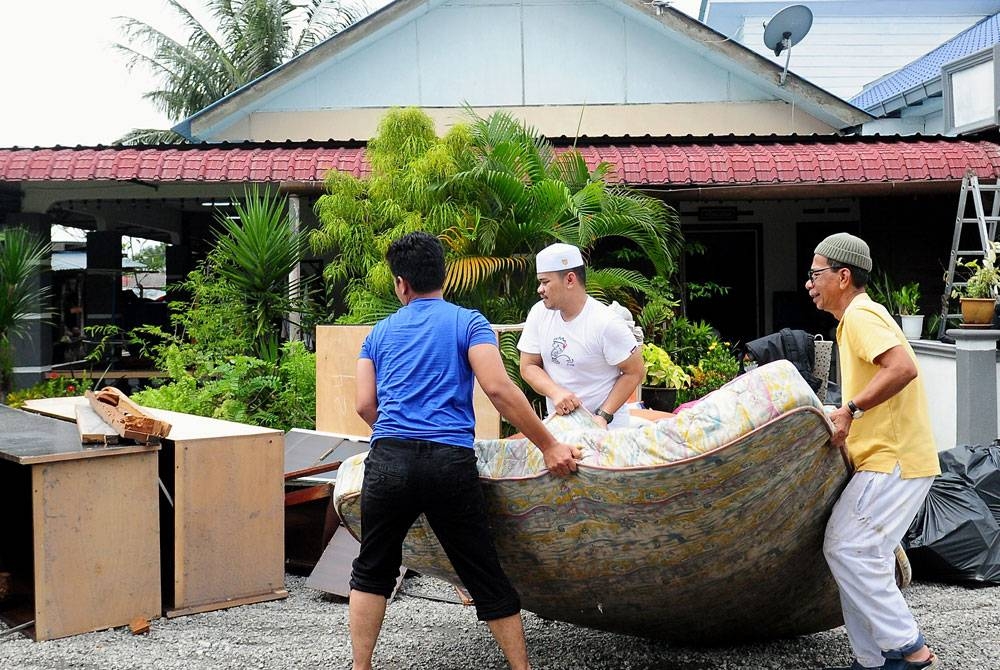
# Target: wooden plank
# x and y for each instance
(185, 427)
(314, 470)
(277, 594)
(332, 573)
(337, 350)
(29, 439)
(92, 428)
(228, 520)
(308, 494)
(96, 543)
(127, 418)
(101, 374)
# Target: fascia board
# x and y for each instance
(760, 71)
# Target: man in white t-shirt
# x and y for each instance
(575, 350)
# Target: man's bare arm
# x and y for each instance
(488, 367)
(533, 372)
(365, 399)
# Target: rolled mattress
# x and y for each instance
(706, 527)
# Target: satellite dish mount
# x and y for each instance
(785, 30)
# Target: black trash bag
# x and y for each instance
(954, 537)
(980, 467)
(797, 346)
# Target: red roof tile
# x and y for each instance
(679, 163)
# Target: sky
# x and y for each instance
(63, 82)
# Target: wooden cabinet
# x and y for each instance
(220, 513)
(79, 527)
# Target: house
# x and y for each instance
(759, 171)
(851, 42)
(951, 90)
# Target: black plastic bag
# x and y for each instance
(980, 467)
(955, 536)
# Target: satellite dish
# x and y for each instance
(785, 30)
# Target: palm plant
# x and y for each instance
(250, 38)
(495, 193)
(254, 254)
(529, 195)
(21, 255)
(360, 217)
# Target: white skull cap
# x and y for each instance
(558, 257)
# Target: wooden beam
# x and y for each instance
(93, 429)
(127, 418)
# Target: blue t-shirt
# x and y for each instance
(423, 379)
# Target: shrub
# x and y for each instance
(58, 387)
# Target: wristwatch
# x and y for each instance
(607, 416)
(856, 411)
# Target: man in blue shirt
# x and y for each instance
(415, 379)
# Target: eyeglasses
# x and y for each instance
(811, 274)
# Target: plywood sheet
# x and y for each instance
(332, 573)
(96, 543)
(337, 349)
(228, 519)
(306, 449)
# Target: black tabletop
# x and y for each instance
(29, 438)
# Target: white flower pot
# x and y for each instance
(912, 326)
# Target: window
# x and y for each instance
(971, 92)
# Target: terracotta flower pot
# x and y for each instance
(978, 311)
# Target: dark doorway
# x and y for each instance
(733, 257)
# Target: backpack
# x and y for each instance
(811, 356)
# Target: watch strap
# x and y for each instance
(607, 416)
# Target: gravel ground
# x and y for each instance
(309, 630)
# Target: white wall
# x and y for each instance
(511, 53)
(843, 53)
(936, 361)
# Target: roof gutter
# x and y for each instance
(806, 190)
(911, 96)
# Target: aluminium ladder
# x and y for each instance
(986, 228)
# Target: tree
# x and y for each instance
(250, 38)
(495, 193)
(254, 254)
(21, 256)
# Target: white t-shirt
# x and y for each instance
(581, 355)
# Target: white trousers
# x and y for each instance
(868, 521)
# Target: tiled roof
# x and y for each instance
(681, 163)
(230, 163)
(928, 67)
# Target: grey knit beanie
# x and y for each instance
(847, 249)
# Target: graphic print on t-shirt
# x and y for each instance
(559, 354)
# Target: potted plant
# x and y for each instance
(979, 296)
(663, 378)
(906, 299)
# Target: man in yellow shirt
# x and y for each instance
(886, 427)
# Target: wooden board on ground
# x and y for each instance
(333, 571)
(93, 429)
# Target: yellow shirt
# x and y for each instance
(899, 429)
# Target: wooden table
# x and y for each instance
(79, 528)
(222, 528)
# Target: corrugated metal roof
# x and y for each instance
(693, 162)
(984, 34)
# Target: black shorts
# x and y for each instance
(404, 478)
